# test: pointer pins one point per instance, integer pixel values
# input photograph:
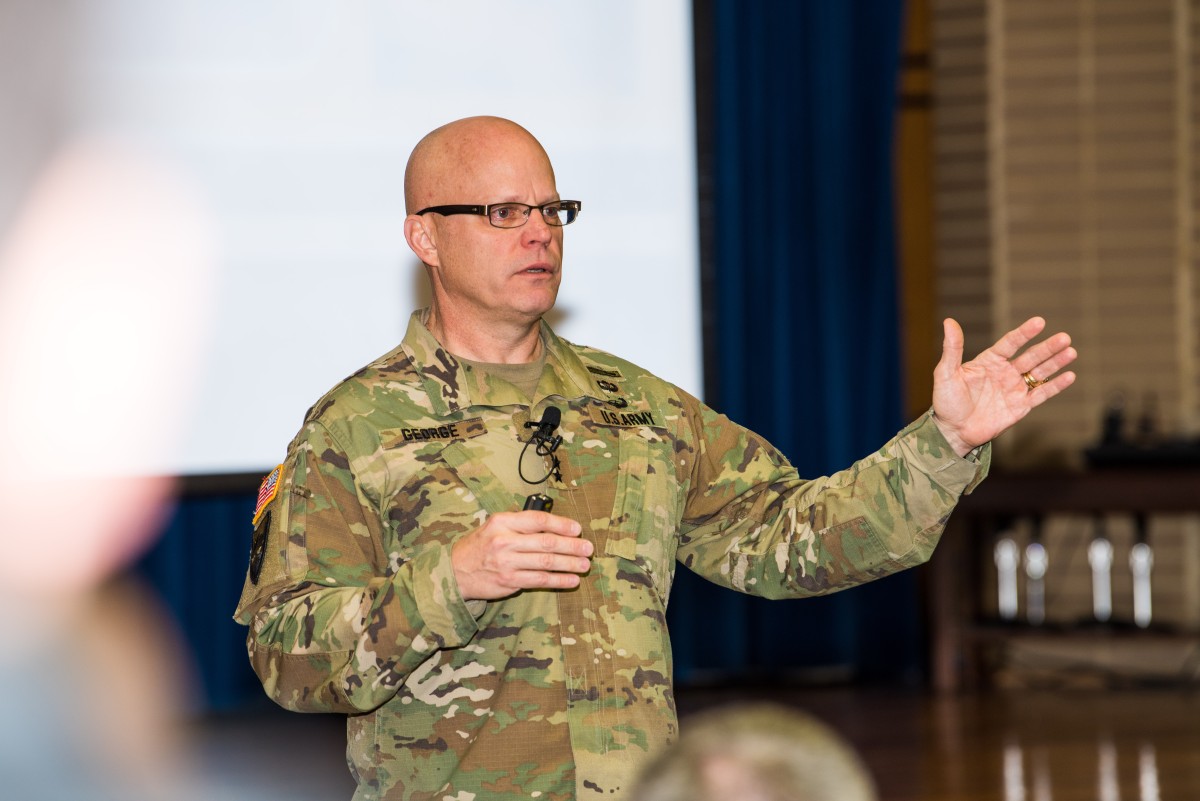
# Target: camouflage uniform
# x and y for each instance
(545, 694)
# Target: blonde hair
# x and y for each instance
(758, 752)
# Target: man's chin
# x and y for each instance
(540, 304)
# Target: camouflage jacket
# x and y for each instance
(353, 606)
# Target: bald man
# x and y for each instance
(486, 651)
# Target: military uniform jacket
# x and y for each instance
(353, 605)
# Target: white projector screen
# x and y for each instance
(291, 120)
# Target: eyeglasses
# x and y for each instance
(514, 215)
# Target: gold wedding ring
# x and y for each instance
(1030, 381)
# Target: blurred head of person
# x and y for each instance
(759, 752)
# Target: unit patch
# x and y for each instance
(258, 548)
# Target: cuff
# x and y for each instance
(928, 448)
(443, 612)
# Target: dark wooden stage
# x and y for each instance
(1021, 745)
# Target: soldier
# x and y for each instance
(485, 651)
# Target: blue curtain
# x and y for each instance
(197, 566)
(796, 102)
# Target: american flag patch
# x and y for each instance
(267, 491)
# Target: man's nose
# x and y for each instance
(537, 230)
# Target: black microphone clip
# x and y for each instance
(545, 442)
(543, 436)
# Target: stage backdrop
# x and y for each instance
(291, 122)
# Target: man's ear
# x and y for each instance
(421, 238)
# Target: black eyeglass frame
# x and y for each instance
(573, 207)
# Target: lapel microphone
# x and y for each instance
(544, 442)
(543, 436)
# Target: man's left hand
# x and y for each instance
(975, 402)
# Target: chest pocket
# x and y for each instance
(647, 499)
(427, 497)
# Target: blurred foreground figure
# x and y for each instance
(93, 348)
(103, 278)
(760, 752)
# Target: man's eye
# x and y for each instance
(502, 213)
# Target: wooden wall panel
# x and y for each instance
(962, 200)
(1065, 139)
(1067, 164)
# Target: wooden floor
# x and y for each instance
(1113, 745)
(1101, 745)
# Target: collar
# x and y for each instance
(445, 380)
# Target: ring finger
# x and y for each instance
(1041, 371)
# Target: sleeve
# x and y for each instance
(752, 524)
(336, 622)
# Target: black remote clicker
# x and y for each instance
(540, 502)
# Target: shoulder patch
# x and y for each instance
(603, 371)
(258, 548)
(267, 491)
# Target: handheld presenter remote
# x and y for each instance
(543, 503)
